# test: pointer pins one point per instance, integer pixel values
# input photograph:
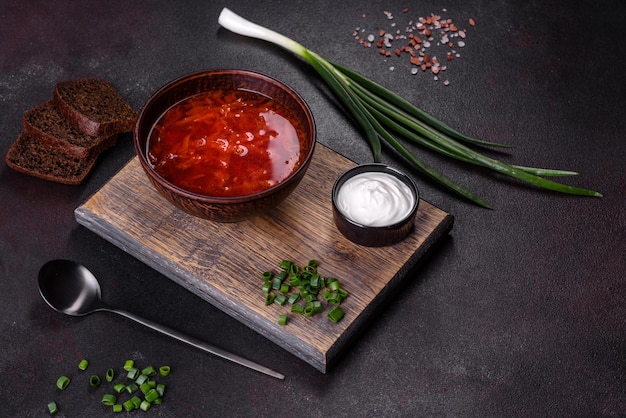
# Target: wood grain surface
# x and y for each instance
(223, 263)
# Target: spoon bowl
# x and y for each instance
(70, 288)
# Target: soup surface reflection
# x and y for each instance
(225, 143)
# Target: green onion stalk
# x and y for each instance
(383, 115)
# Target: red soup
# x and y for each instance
(225, 143)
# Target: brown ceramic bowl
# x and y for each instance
(365, 233)
(225, 209)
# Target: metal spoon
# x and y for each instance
(72, 289)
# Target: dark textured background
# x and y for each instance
(521, 310)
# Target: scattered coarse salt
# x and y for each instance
(422, 38)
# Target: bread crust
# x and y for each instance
(63, 137)
(35, 158)
(44, 123)
(94, 106)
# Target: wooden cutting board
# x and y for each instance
(223, 262)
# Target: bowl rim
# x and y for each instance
(224, 199)
(376, 167)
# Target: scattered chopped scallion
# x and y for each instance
(152, 395)
(304, 283)
(145, 388)
(280, 299)
(129, 405)
(119, 387)
(141, 379)
(336, 314)
(83, 364)
(149, 371)
(136, 400)
(132, 388)
(160, 388)
(151, 390)
(132, 373)
(94, 380)
(267, 287)
(63, 382)
(285, 265)
(145, 405)
(53, 408)
(129, 364)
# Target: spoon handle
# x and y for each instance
(197, 343)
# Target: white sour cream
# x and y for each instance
(375, 199)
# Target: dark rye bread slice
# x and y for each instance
(94, 106)
(33, 157)
(44, 123)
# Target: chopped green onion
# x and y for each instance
(132, 388)
(63, 382)
(267, 287)
(119, 387)
(382, 113)
(269, 299)
(129, 405)
(94, 380)
(160, 388)
(266, 276)
(317, 306)
(83, 364)
(136, 400)
(334, 285)
(132, 373)
(53, 408)
(141, 379)
(297, 309)
(280, 299)
(294, 269)
(149, 371)
(152, 395)
(282, 319)
(276, 283)
(129, 364)
(336, 314)
(117, 408)
(145, 405)
(109, 399)
(145, 388)
(109, 375)
(285, 265)
(293, 298)
(165, 370)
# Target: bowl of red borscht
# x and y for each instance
(225, 144)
